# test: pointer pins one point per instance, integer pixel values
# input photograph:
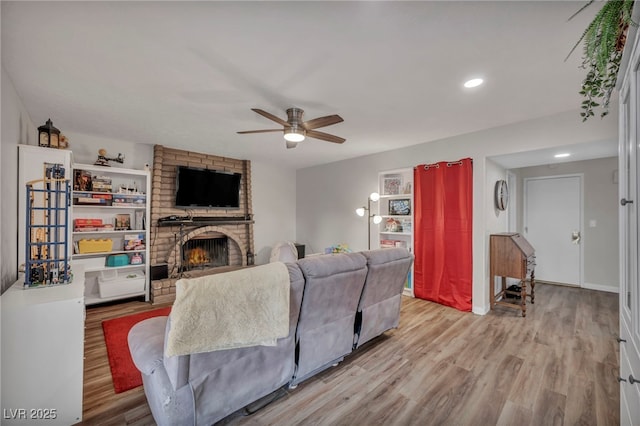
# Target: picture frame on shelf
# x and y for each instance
(391, 184)
(400, 207)
(123, 222)
(82, 180)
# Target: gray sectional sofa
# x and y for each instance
(337, 303)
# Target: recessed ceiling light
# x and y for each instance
(474, 82)
(563, 155)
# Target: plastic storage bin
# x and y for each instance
(95, 246)
(117, 260)
(119, 283)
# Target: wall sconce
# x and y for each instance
(360, 211)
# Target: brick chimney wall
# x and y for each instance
(165, 239)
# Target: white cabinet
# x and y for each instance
(110, 235)
(629, 191)
(396, 208)
(43, 353)
(31, 166)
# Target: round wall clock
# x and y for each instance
(501, 195)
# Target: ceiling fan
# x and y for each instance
(295, 130)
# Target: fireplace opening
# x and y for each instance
(201, 253)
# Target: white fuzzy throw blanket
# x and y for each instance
(247, 307)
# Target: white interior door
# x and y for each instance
(553, 226)
(629, 191)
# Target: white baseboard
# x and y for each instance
(601, 287)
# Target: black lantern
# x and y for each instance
(48, 135)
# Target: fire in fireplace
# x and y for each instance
(201, 253)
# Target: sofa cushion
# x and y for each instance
(379, 306)
(331, 294)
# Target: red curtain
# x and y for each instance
(442, 234)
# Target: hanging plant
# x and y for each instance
(603, 41)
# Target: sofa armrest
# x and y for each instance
(146, 344)
(177, 366)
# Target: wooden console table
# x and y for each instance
(511, 256)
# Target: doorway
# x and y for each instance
(553, 210)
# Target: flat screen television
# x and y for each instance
(202, 188)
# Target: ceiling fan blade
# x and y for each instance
(322, 122)
(270, 116)
(260, 131)
(291, 144)
(324, 136)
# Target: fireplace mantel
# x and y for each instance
(202, 221)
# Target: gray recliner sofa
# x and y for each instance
(205, 387)
(327, 295)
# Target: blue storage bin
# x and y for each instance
(117, 260)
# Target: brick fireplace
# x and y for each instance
(209, 240)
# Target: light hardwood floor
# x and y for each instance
(557, 366)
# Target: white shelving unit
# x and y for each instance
(115, 285)
(396, 208)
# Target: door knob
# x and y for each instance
(575, 237)
(633, 380)
(620, 379)
(624, 202)
(619, 339)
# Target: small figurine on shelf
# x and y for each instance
(136, 259)
(64, 142)
(104, 161)
(392, 225)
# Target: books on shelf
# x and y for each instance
(101, 184)
(137, 200)
(91, 198)
(90, 225)
(392, 243)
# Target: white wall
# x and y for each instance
(327, 195)
(600, 243)
(274, 207)
(17, 128)
(496, 220)
(85, 150)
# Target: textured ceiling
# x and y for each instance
(185, 74)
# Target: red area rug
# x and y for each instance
(124, 373)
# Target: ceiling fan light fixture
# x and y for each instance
(474, 82)
(296, 130)
(294, 134)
